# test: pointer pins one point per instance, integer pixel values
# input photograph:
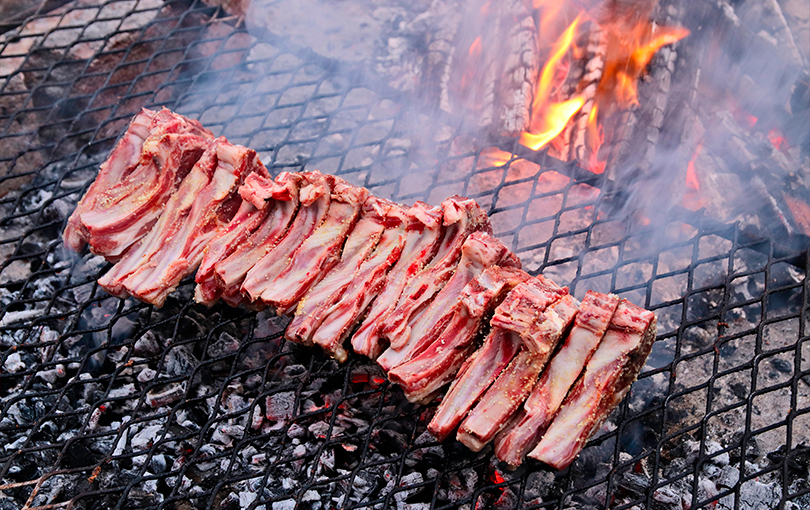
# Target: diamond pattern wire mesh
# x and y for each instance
(109, 403)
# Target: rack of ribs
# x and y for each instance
(426, 291)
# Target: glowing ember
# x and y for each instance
(496, 477)
(493, 156)
(692, 199)
(777, 140)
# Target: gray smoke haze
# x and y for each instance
(698, 103)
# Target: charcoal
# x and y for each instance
(798, 462)
(180, 361)
(636, 484)
(296, 431)
(280, 407)
(147, 345)
(667, 498)
(146, 375)
(77, 454)
(224, 345)
(165, 395)
(158, 463)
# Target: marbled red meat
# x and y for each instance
(315, 197)
(365, 286)
(423, 235)
(122, 161)
(424, 375)
(606, 380)
(281, 210)
(515, 441)
(205, 202)
(267, 208)
(126, 212)
(319, 252)
(322, 296)
(461, 217)
(515, 382)
(479, 251)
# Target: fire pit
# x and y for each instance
(109, 403)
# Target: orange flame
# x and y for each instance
(551, 123)
(692, 199)
(631, 41)
(628, 53)
(493, 156)
(596, 137)
(551, 9)
(550, 118)
(476, 47)
(541, 93)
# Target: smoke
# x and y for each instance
(418, 88)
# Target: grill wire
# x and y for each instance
(80, 429)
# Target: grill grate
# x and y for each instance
(110, 403)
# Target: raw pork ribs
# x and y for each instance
(426, 291)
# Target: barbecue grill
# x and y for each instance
(110, 403)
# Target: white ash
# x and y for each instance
(146, 375)
(14, 363)
(286, 504)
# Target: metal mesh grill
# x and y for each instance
(111, 403)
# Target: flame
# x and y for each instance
(631, 42)
(476, 47)
(493, 156)
(551, 8)
(596, 137)
(628, 53)
(550, 118)
(541, 93)
(552, 123)
(692, 199)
